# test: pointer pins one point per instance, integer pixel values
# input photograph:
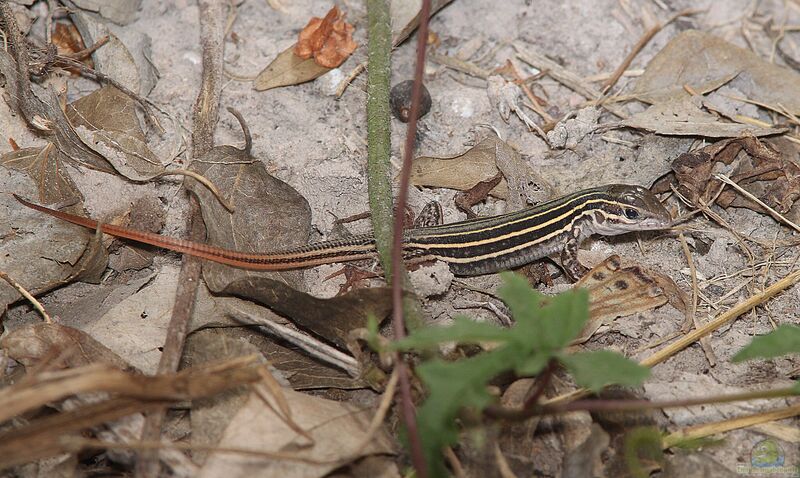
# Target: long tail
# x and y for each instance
(351, 249)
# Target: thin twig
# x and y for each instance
(615, 405)
(644, 40)
(748, 195)
(712, 359)
(28, 296)
(398, 322)
(713, 428)
(206, 115)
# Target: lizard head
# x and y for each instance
(631, 208)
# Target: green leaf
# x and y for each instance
(642, 449)
(562, 319)
(796, 387)
(781, 341)
(452, 386)
(521, 299)
(533, 364)
(594, 370)
(545, 324)
(463, 330)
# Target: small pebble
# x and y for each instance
(400, 101)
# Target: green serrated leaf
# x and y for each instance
(521, 299)
(781, 341)
(463, 330)
(452, 386)
(562, 319)
(544, 323)
(533, 364)
(594, 370)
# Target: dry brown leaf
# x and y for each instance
(106, 120)
(337, 428)
(40, 253)
(684, 116)
(288, 69)
(68, 41)
(43, 111)
(328, 40)
(269, 213)
(31, 344)
(331, 319)
(772, 177)
(705, 62)
(45, 167)
(464, 171)
(616, 292)
(478, 193)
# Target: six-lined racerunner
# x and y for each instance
(472, 247)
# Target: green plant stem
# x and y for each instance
(379, 146)
(379, 49)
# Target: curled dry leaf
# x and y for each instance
(269, 214)
(328, 40)
(45, 166)
(464, 171)
(616, 291)
(772, 177)
(32, 344)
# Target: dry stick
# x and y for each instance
(748, 195)
(708, 328)
(567, 78)
(706, 429)
(614, 405)
(28, 296)
(206, 114)
(712, 359)
(409, 419)
(644, 40)
(531, 97)
(77, 444)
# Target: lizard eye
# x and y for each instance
(631, 213)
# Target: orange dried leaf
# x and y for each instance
(68, 41)
(329, 40)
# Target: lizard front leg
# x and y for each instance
(569, 258)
